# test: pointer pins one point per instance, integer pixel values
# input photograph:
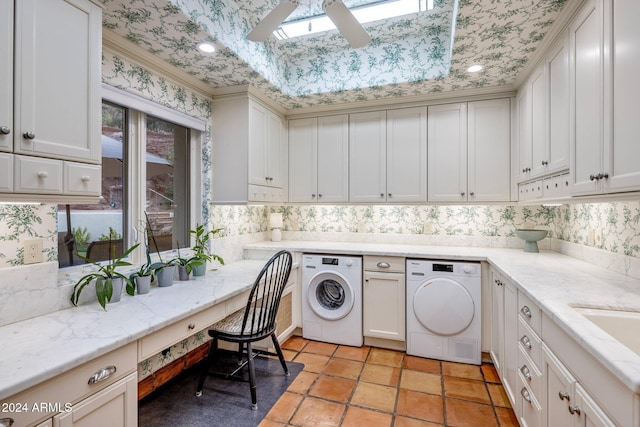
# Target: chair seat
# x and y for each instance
(232, 324)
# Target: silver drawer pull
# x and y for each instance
(525, 394)
(191, 326)
(526, 311)
(29, 135)
(526, 341)
(102, 374)
(5, 130)
(6, 422)
(383, 264)
(574, 410)
(564, 395)
(525, 371)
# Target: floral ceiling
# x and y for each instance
(408, 56)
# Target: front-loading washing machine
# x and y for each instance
(332, 299)
(444, 310)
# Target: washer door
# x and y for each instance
(443, 306)
(330, 295)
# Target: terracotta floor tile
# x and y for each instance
(312, 362)
(343, 368)
(386, 357)
(284, 407)
(420, 405)
(411, 422)
(303, 382)
(269, 423)
(375, 396)
(463, 388)
(294, 343)
(352, 353)
(507, 418)
(380, 374)
(358, 417)
(289, 354)
(421, 381)
(333, 388)
(316, 412)
(421, 364)
(490, 373)
(461, 413)
(462, 370)
(317, 347)
(498, 395)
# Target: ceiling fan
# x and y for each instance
(339, 14)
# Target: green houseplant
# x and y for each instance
(184, 265)
(108, 281)
(163, 271)
(144, 275)
(200, 249)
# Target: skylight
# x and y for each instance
(364, 14)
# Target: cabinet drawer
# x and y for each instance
(384, 264)
(6, 172)
(528, 409)
(36, 175)
(530, 313)
(530, 372)
(176, 332)
(82, 179)
(72, 386)
(529, 342)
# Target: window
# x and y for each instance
(146, 162)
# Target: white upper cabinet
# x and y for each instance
(265, 146)
(57, 88)
(318, 159)
(469, 151)
(557, 118)
(6, 75)
(407, 155)
(538, 124)
(367, 157)
(523, 104)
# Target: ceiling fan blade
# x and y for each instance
(270, 22)
(347, 24)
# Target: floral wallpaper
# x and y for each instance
(22, 222)
(411, 55)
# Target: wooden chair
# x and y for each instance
(253, 323)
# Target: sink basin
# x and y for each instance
(624, 326)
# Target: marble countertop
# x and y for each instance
(40, 348)
(556, 283)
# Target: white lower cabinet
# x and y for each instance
(384, 297)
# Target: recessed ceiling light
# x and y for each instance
(206, 47)
(475, 68)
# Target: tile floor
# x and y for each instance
(373, 387)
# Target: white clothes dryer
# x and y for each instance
(444, 310)
(332, 299)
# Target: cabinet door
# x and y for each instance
(489, 141)
(384, 305)
(510, 363)
(303, 160)
(558, 102)
(367, 157)
(557, 390)
(589, 414)
(58, 53)
(274, 155)
(6, 75)
(523, 103)
(497, 319)
(624, 168)
(447, 153)
(258, 136)
(6, 173)
(333, 158)
(407, 155)
(586, 67)
(115, 406)
(538, 123)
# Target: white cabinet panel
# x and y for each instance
(590, 414)
(274, 155)
(558, 391)
(6, 172)
(258, 133)
(82, 179)
(303, 164)
(333, 159)
(6, 75)
(538, 123)
(37, 175)
(523, 104)
(367, 157)
(557, 67)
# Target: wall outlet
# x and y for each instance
(427, 227)
(591, 237)
(598, 237)
(32, 251)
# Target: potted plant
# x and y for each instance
(184, 265)
(109, 282)
(163, 271)
(200, 249)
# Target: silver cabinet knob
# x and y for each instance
(29, 135)
(43, 174)
(525, 394)
(462, 193)
(525, 372)
(191, 326)
(313, 195)
(381, 194)
(86, 178)
(319, 195)
(526, 341)
(526, 311)
(389, 195)
(472, 193)
(574, 410)
(564, 395)
(5, 130)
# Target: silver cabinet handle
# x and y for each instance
(525, 394)
(526, 311)
(102, 374)
(472, 193)
(43, 174)
(564, 395)
(383, 264)
(6, 422)
(592, 177)
(313, 195)
(319, 195)
(29, 135)
(191, 326)
(574, 410)
(526, 341)
(545, 163)
(389, 194)
(525, 371)
(462, 193)
(5, 130)
(381, 194)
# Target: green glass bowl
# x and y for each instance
(531, 238)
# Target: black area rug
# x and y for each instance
(223, 402)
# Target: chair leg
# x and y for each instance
(276, 344)
(252, 378)
(213, 349)
(239, 353)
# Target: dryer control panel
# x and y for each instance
(417, 268)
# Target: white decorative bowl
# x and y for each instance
(531, 238)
